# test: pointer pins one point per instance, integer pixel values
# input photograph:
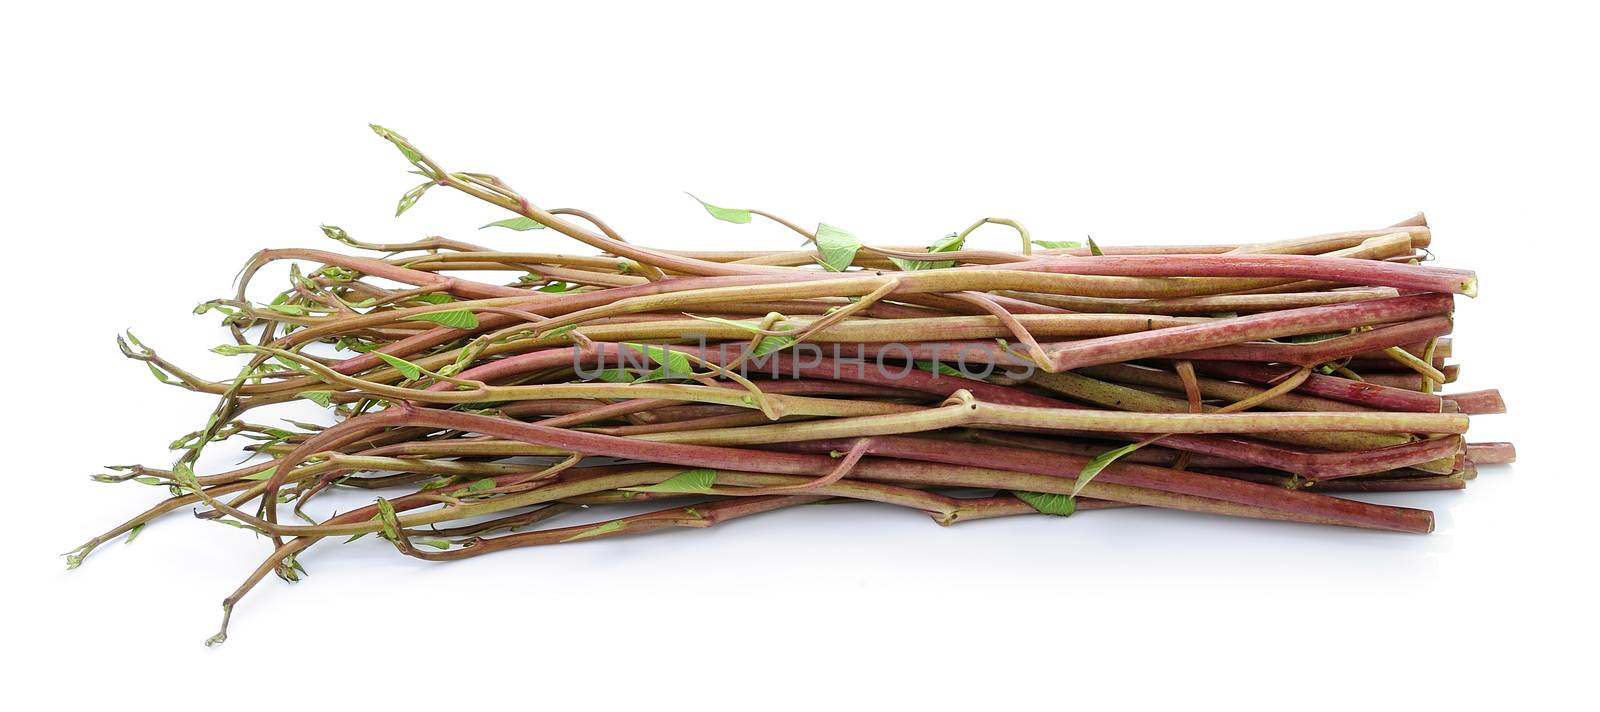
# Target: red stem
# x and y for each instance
(1147, 476)
(1323, 351)
(1491, 453)
(1331, 387)
(1345, 270)
(1479, 402)
(1288, 322)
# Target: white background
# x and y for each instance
(147, 151)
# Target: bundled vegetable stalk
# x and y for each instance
(500, 392)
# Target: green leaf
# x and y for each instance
(322, 398)
(263, 475)
(351, 343)
(184, 475)
(298, 279)
(940, 368)
(391, 528)
(334, 232)
(400, 142)
(406, 368)
(1093, 248)
(606, 528)
(560, 330)
(338, 274)
(948, 243)
(556, 288)
(1058, 244)
(290, 309)
(411, 197)
(1100, 462)
(434, 298)
(691, 482)
(435, 543)
(769, 344)
(733, 215)
(910, 265)
(518, 223)
(454, 318)
(674, 364)
(134, 533)
(614, 375)
(1057, 504)
(159, 374)
(481, 485)
(145, 480)
(837, 248)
